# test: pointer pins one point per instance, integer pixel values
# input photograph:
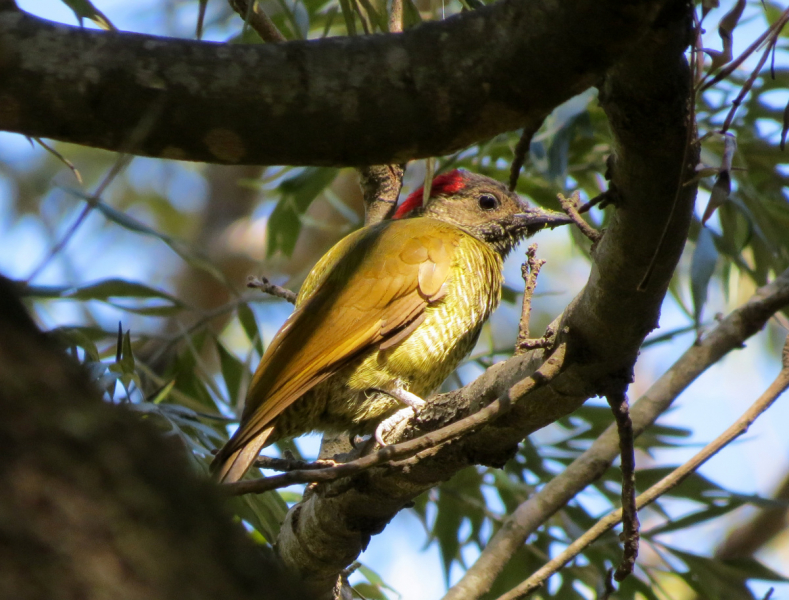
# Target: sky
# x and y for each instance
(753, 465)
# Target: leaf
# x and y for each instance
(411, 15)
(725, 29)
(721, 189)
(76, 336)
(707, 6)
(118, 288)
(202, 4)
(61, 158)
(347, 14)
(694, 487)
(232, 372)
(298, 192)
(120, 218)
(702, 266)
(723, 579)
(84, 9)
(369, 591)
(785, 126)
(694, 518)
(265, 512)
(124, 360)
(162, 393)
(247, 319)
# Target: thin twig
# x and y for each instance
(60, 157)
(630, 534)
(427, 442)
(673, 479)
(265, 286)
(137, 136)
(522, 151)
(396, 17)
(291, 464)
(773, 30)
(609, 588)
(257, 19)
(529, 271)
(570, 207)
(746, 87)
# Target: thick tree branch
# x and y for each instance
(602, 329)
(377, 99)
(97, 503)
(730, 334)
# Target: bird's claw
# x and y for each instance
(388, 425)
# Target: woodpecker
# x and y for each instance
(385, 316)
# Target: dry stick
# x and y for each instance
(264, 285)
(529, 271)
(746, 87)
(291, 464)
(570, 207)
(428, 441)
(630, 534)
(396, 17)
(521, 151)
(774, 29)
(258, 20)
(673, 479)
(728, 335)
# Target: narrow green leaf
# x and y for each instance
(232, 372)
(702, 266)
(84, 9)
(247, 319)
(298, 192)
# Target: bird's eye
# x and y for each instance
(488, 202)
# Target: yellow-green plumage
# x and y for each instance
(393, 307)
(319, 370)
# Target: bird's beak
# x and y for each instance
(534, 219)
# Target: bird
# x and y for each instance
(384, 316)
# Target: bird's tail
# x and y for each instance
(230, 467)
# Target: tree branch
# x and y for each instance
(378, 99)
(730, 334)
(669, 482)
(103, 505)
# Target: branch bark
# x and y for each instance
(97, 503)
(380, 99)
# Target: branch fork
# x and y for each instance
(572, 206)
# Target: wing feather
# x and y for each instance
(365, 292)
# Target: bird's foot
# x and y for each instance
(410, 400)
(389, 424)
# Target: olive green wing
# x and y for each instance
(383, 279)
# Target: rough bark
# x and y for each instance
(647, 99)
(95, 503)
(340, 101)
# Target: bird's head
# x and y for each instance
(483, 207)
